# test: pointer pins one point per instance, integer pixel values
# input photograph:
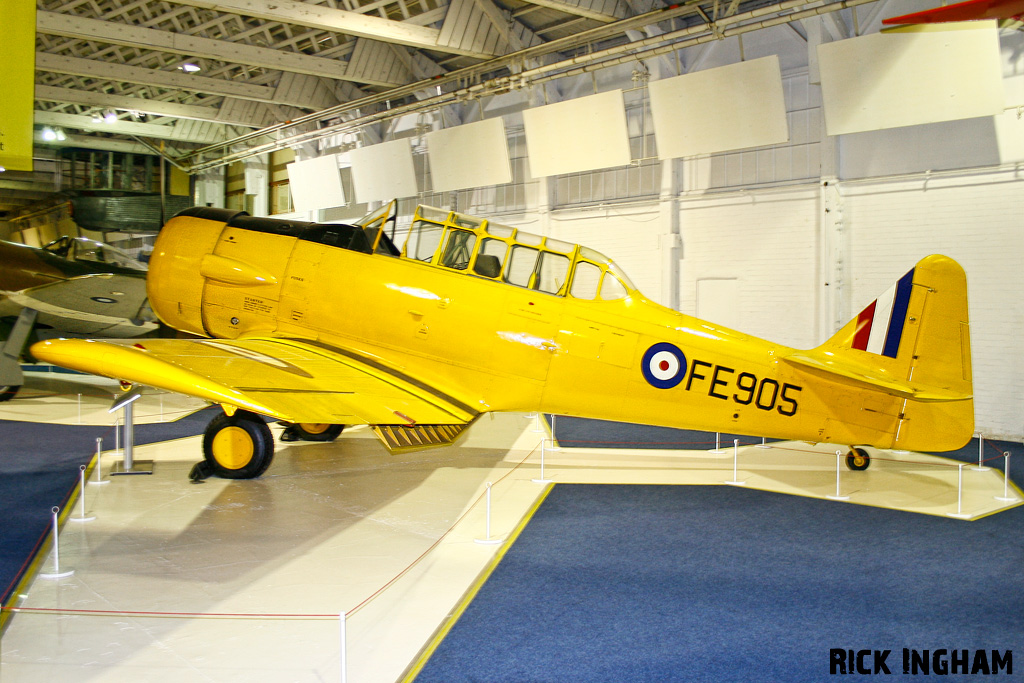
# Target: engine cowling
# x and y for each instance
(218, 273)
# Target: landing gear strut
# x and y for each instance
(238, 446)
(858, 459)
(10, 354)
(308, 431)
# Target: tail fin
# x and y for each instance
(913, 342)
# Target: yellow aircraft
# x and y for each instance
(325, 325)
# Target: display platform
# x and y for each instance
(246, 580)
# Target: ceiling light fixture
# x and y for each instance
(190, 68)
(110, 116)
(49, 134)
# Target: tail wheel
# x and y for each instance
(310, 431)
(238, 446)
(8, 392)
(858, 459)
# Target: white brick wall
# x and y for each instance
(768, 240)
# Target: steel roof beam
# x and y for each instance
(582, 11)
(336, 20)
(206, 134)
(48, 93)
(193, 46)
(124, 73)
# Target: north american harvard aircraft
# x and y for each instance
(325, 325)
(74, 285)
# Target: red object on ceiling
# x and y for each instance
(963, 11)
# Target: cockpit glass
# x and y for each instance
(551, 275)
(611, 288)
(506, 254)
(521, 265)
(619, 273)
(424, 238)
(585, 281)
(83, 249)
(495, 248)
(458, 249)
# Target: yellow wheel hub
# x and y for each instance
(233, 448)
(859, 460)
(311, 428)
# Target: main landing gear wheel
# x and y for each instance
(309, 431)
(8, 392)
(238, 446)
(858, 459)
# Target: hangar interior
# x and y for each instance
(699, 145)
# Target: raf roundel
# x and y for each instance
(664, 365)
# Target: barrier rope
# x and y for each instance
(648, 443)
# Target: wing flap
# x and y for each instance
(286, 379)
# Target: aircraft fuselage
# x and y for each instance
(511, 347)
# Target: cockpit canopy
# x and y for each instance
(498, 252)
(86, 250)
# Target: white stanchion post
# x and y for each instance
(487, 540)
(98, 479)
(56, 573)
(764, 443)
(718, 441)
(554, 442)
(1006, 497)
(344, 648)
(537, 428)
(981, 459)
(735, 459)
(542, 479)
(839, 460)
(128, 465)
(81, 498)
(79, 409)
(117, 435)
(959, 493)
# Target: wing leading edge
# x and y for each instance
(292, 380)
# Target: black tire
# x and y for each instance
(308, 431)
(858, 460)
(8, 392)
(239, 446)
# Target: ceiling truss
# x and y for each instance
(277, 73)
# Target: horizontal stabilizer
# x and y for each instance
(870, 377)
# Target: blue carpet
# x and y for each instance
(39, 468)
(695, 583)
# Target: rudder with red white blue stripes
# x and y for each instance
(880, 325)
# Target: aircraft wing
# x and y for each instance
(105, 303)
(292, 380)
